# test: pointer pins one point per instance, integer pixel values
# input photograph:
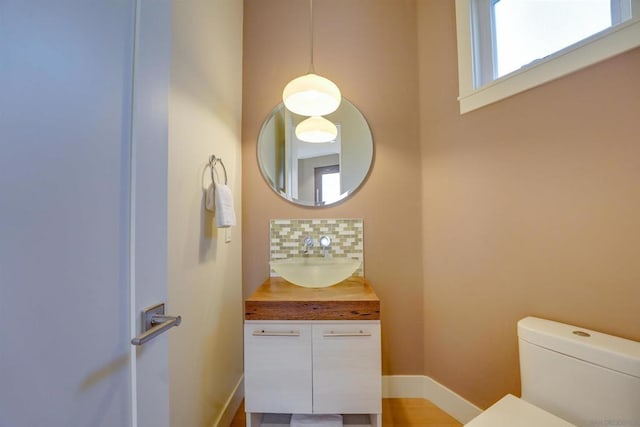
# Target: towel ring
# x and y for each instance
(213, 161)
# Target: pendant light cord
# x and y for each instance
(311, 67)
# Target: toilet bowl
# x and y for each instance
(570, 377)
(512, 411)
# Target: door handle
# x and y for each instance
(154, 322)
(264, 333)
(347, 334)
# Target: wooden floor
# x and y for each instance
(395, 413)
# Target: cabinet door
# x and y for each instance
(277, 359)
(347, 368)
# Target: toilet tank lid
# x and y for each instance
(608, 351)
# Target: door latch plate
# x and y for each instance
(148, 314)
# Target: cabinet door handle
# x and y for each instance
(347, 334)
(264, 333)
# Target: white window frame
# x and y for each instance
(600, 46)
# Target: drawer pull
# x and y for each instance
(347, 334)
(264, 333)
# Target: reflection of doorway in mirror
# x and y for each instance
(306, 157)
(327, 184)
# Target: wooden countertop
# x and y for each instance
(277, 299)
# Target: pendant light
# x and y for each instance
(311, 94)
(316, 129)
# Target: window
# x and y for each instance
(327, 184)
(508, 46)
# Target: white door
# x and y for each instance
(68, 116)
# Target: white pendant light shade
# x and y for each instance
(316, 129)
(311, 95)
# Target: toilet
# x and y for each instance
(570, 377)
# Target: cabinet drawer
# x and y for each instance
(278, 368)
(347, 368)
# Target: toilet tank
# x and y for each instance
(586, 377)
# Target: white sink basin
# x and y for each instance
(315, 272)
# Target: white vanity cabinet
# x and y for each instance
(346, 368)
(277, 367)
(313, 367)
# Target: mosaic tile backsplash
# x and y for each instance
(286, 236)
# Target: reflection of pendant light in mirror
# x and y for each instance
(311, 94)
(316, 129)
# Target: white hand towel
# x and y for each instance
(316, 420)
(225, 214)
(210, 198)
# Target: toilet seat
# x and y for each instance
(513, 412)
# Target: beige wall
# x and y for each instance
(531, 206)
(526, 207)
(205, 275)
(368, 48)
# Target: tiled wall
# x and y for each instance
(286, 236)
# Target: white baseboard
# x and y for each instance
(424, 387)
(231, 405)
(419, 386)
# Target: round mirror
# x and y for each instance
(315, 174)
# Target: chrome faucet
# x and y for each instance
(307, 245)
(325, 242)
